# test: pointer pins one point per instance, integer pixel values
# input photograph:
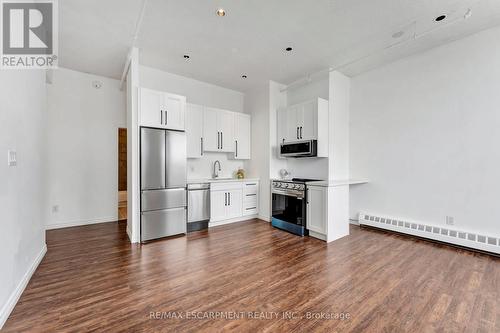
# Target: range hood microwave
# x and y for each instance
(298, 149)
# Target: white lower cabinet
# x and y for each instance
(328, 212)
(233, 200)
(317, 201)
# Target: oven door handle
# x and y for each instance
(299, 196)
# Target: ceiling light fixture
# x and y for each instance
(186, 57)
(220, 12)
(398, 34)
(244, 76)
(440, 18)
(288, 49)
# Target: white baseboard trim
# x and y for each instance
(354, 221)
(238, 219)
(129, 234)
(264, 218)
(16, 294)
(81, 222)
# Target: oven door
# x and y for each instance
(289, 207)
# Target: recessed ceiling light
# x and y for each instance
(398, 34)
(244, 76)
(186, 56)
(220, 12)
(440, 18)
(288, 49)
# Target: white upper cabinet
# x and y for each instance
(305, 121)
(211, 135)
(194, 130)
(226, 126)
(161, 110)
(308, 121)
(242, 135)
(151, 112)
(218, 130)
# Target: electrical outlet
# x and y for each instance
(450, 220)
(55, 209)
(11, 158)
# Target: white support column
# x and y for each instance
(133, 190)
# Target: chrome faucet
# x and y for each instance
(216, 172)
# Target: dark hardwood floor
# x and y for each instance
(92, 279)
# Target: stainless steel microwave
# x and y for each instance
(308, 148)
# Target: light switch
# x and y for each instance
(11, 158)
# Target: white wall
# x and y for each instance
(196, 92)
(425, 131)
(82, 159)
(22, 188)
(202, 93)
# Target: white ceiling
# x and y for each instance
(95, 35)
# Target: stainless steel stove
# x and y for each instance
(289, 205)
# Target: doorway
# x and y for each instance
(122, 174)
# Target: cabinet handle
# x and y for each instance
(298, 133)
(161, 117)
(225, 199)
(201, 144)
(236, 148)
(166, 117)
(301, 132)
(221, 141)
(229, 199)
(218, 140)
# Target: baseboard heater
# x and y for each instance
(442, 234)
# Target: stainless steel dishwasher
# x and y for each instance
(198, 206)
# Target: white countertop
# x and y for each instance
(341, 182)
(220, 180)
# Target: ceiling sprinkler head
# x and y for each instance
(468, 14)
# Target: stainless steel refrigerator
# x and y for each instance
(163, 183)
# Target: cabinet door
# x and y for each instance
(235, 204)
(211, 135)
(242, 136)
(308, 120)
(150, 108)
(194, 130)
(316, 209)
(225, 121)
(175, 111)
(281, 123)
(218, 204)
(292, 125)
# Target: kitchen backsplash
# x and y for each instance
(203, 167)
